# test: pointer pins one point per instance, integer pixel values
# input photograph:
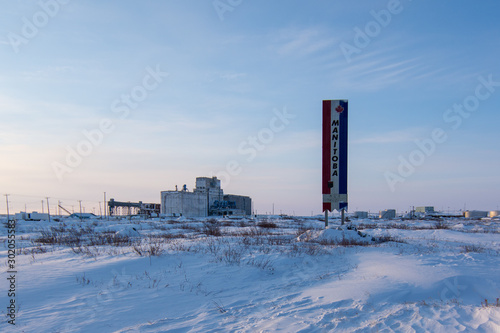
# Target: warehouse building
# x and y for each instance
(425, 209)
(34, 216)
(241, 202)
(207, 199)
(387, 214)
(183, 203)
(360, 215)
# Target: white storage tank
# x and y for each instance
(495, 213)
(474, 214)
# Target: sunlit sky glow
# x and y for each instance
(229, 73)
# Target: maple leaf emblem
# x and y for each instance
(339, 109)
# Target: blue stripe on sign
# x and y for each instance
(343, 149)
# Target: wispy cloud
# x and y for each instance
(378, 70)
(303, 42)
(399, 136)
(51, 115)
(224, 75)
(232, 75)
(394, 60)
(48, 72)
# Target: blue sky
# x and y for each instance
(232, 66)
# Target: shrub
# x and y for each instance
(472, 248)
(263, 263)
(279, 240)
(389, 238)
(301, 229)
(267, 225)
(231, 255)
(486, 304)
(152, 248)
(86, 251)
(441, 225)
(253, 232)
(172, 236)
(212, 228)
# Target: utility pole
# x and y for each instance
(42, 207)
(105, 205)
(7, 200)
(80, 201)
(48, 208)
(100, 211)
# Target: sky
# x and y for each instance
(133, 98)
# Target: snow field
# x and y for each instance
(264, 275)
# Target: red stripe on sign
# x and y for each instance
(327, 118)
(327, 206)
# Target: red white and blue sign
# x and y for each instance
(334, 180)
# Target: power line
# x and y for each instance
(53, 197)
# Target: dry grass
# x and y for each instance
(345, 242)
(151, 248)
(212, 228)
(267, 225)
(441, 225)
(487, 304)
(472, 248)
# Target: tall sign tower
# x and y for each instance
(334, 180)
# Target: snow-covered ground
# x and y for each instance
(264, 275)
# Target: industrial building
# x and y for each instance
(425, 209)
(241, 202)
(361, 215)
(475, 214)
(207, 199)
(117, 208)
(388, 214)
(494, 213)
(34, 216)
